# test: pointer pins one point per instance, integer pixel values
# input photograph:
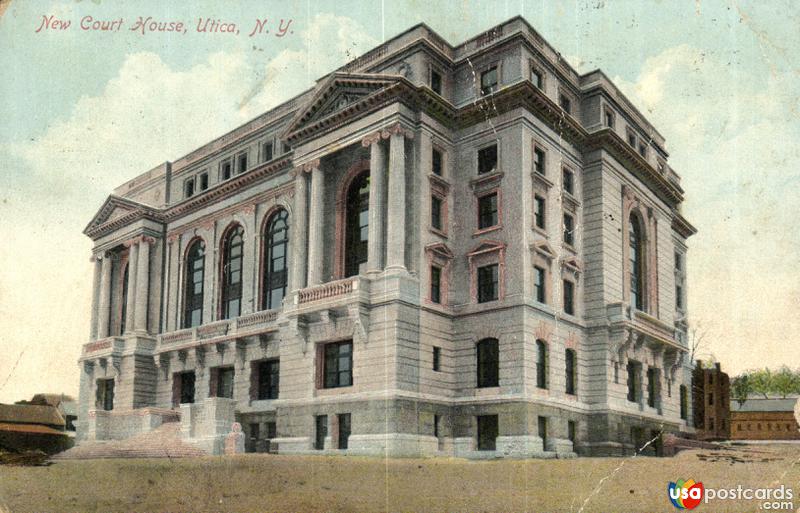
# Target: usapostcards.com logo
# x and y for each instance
(685, 494)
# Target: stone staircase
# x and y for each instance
(162, 442)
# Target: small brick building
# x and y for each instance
(711, 402)
(764, 419)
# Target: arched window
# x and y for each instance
(356, 224)
(541, 364)
(488, 363)
(570, 371)
(275, 267)
(636, 246)
(194, 269)
(124, 313)
(232, 273)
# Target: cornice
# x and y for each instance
(684, 228)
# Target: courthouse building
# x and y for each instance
(466, 250)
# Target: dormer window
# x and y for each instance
(436, 82)
(489, 81)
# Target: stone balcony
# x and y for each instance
(253, 324)
(657, 332)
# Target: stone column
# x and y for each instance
(377, 193)
(315, 226)
(104, 312)
(396, 227)
(142, 285)
(98, 272)
(300, 229)
(130, 300)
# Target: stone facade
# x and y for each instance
(445, 205)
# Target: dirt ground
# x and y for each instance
(265, 483)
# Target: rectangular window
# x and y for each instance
(203, 181)
(711, 399)
(569, 297)
(652, 378)
(105, 394)
(609, 119)
(537, 78)
(539, 284)
(488, 364)
(684, 402)
(436, 162)
(436, 212)
(488, 283)
(225, 169)
(268, 379)
(225, 382)
(266, 151)
(242, 163)
(568, 181)
(436, 284)
(541, 364)
(489, 81)
(344, 430)
(572, 432)
(286, 148)
(437, 358)
(487, 159)
(539, 208)
(569, 230)
(436, 82)
(632, 139)
(569, 371)
(633, 381)
(643, 149)
(338, 370)
(678, 297)
(487, 211)
(321, 431)
(437, 420)
(565, 103)
(487, 432)
(539, 161)
(678, 261)
(542, 424)
(188, 188)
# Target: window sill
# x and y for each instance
(541, 179)
(540, 231)
(569, 247)
(483, 231)
(436, 231)
(486, 180)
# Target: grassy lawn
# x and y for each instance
(260, 483)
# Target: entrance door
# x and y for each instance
(344, 430)
(487, 433)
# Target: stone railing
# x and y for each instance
(103, 345)
(245, 325)
(327, 291)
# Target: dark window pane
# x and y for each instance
(539, 284)
(357, 224)
(268, 379)
(436, 284)
(437, 358)
(569, 297)
(488, 283)
(338, 365)
(231, 273)
(266, 152)
(488, 363)
(204, 181)
(489, 81)
(275, 273)
(436, 212)
(193, 285)
(487, 432)
(537, 78)
(344, 430)
(487, 211)
(539, 212)
(565, 103)
(541, 364)
(569, 230)
(436, 162)
(539, 161)
(487, 159)
(568, 181)
(436, 82)
(636, 262)
(570, 362)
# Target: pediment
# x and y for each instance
(335, 94)
(441, 250)
(113, 209)
(487, 247)
(544, 248)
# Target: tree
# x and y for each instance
(741, 388)
(785, 382)
(761, 382)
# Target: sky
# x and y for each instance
(84, 111)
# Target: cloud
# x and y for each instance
(733, 141)
(148, 113)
